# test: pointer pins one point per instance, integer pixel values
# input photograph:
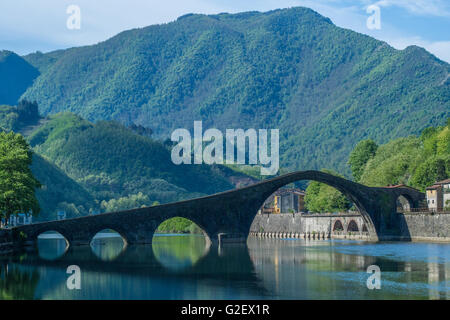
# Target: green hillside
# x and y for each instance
(16, 75)
(85, 167)
(414, 161)
(324, 87)
(59, 192)
(113, 162)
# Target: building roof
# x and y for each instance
(438, 184)
(400, 186)
(446, 181)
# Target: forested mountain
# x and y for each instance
(324, 87)
(16, 75)
(111, 161)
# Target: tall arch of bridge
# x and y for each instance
(231, 212)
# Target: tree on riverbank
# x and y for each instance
(321, 197)
(17, 183)
(361, 154)
(414, 161)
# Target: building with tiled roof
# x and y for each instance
(438, 195)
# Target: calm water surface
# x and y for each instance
(182, 267)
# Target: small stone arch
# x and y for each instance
(114, 230)
(404, 203)
(106, 246)
(53, 250)
(338, 226)
(38, 235)
(364, 228)
(201, 229)
(352, 226)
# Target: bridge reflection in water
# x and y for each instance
(183, 267)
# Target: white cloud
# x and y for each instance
(438, 8)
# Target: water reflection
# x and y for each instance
(179, 267)
(337, 269)
(51, 245)
(107, 245)
(178, 252)
(16, 284)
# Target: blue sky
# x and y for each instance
(29, 25)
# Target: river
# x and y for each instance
(183, 267)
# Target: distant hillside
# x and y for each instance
(16, 75)
(324, 87)
(111, 161)
(59, 192)
(86, 167)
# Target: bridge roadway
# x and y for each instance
(230, 212)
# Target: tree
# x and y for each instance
(125, 203)
(363, 152)
(17, 183)
(28, 111)
(432, 170)
(321, 197)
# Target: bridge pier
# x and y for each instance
(224, 238)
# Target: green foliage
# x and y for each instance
(418, 162)
(9, 118)
(112, 162)
(13, 118)
(28, 111)
(125, 203)
(431, 170)
(178, 225)
(321, 197)
(363, 152)
(324, 87)
(17, 183)
(59, 192)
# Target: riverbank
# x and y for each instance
(424, 226)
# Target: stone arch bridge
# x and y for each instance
(230, 212)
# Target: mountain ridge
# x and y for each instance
(323, 86)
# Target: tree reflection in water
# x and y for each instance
(17, 284)
(178, 252)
